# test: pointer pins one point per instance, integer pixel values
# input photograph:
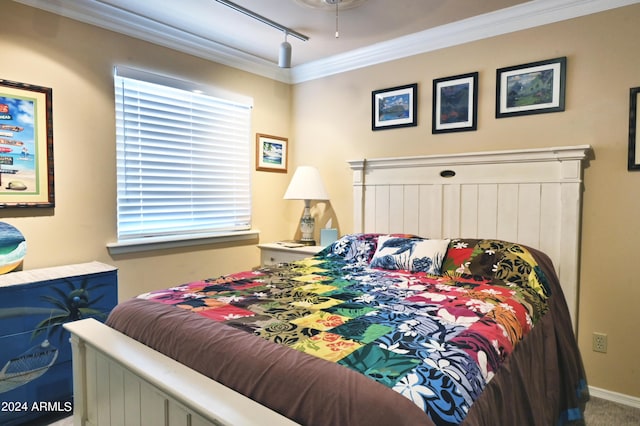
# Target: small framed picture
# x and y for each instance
(534, 88)
(455, 103)
(394, 107)
(271, 153)
(634, 130)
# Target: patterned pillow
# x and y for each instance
(495, 259)
(472, 257)
(353, 248)
(356, 249)
(410, 254)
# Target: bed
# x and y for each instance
(473, 325)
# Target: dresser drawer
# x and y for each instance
(273, 253)
(35, 355)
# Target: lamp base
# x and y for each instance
(307, 224)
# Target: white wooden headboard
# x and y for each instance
(531, 196)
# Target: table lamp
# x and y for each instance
(306, 185)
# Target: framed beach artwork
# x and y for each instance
(26, 145)
(271, 153)
(394, 107)
(455, 103)
(534, 88)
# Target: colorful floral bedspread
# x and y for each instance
(436, 339)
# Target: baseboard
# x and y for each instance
(620, 398)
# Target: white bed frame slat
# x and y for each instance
(527, 196)
(532, 197)
(487, 210)
(119, 381)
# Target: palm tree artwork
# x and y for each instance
(70, 303)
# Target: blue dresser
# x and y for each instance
(35, 354)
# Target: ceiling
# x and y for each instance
(369, 22)
(370, 31)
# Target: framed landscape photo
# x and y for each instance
(534, 88)
(271, 153)
(634, 130)
(394, 107)
(26, 145)
(455, 103)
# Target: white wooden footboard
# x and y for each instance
(119, 381)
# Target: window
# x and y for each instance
(183, 158)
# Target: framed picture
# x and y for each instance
(271, 153)
(455, 103)
(394, 107)
(534, 88)
(26, 145)
(634, 130)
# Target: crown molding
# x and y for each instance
(526, 15)
(99, 14)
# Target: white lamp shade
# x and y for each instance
(306, 184)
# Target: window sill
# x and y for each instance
(162, 243)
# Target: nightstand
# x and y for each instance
(272, 253)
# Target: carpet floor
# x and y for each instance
(599, 412)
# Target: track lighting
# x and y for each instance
(284, 58)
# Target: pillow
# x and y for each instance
(357, 249)
(411, 254)
(354, 248)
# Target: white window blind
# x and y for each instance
(183, 160)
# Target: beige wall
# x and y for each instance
(332, 124)
(76, 61)
(328, 122)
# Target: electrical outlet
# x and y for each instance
(599, 342)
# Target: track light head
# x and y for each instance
(284, 59)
